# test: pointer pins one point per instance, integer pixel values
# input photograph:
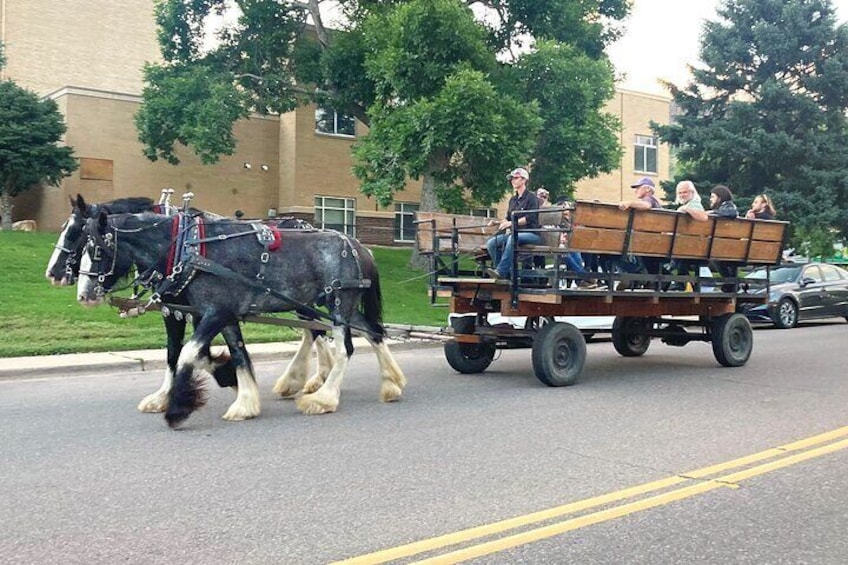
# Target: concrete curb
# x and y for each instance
(154, 359)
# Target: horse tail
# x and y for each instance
(372, 298)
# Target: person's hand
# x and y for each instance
(505, 225)
(623, 205)
(750, 215)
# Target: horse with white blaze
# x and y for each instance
(227, 270)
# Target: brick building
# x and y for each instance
(88, 56)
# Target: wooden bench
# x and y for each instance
(603, 228)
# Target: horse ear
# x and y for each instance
(80, 203)
(101, 220)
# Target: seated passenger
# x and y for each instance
(761, 208)
(645, 200)
(687, 199)
(721, 206)
(502, 246)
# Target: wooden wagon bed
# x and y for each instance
(704, 311)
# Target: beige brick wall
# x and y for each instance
(635, 110)
(100, 126)
(99, 44)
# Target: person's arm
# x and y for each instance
(635, 205)
(697, 215)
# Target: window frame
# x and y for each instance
(336, 114)
(646, 143)
(399, 228)
(348, 211)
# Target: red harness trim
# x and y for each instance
(172, 251)
(278, 240)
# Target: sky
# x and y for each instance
(662, 37)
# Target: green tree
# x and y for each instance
(767, 111)
(451, 98)
(30, 133)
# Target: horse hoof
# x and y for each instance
(313, 406)
(390, 392)
(313, 384)
(153, 404)
(240, 413)
(285, 390)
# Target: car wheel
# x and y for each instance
(786, 315)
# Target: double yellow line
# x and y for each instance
(698, 482)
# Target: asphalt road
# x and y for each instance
(492, 468)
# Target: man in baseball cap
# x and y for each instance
(502, 245)
(519, 172)
(644, 181)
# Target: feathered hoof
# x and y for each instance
(313, 384)
(239, 413)
(153, 403)
(286, 389)
(390, 392)
(312, 404)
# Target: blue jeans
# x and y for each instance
(503, 259)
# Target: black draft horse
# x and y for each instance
(63, 269)
(235, 276)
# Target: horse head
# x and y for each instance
(64, 264)
(102, 264)
(63, 267)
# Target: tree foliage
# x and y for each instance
(767, 111)
(30, 132)
(454, 92)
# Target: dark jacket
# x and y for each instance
(527, 201)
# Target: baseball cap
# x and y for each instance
(643, 181)
(519, 172)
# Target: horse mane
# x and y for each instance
(129, 204)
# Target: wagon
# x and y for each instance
(643, 305)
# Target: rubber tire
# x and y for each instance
(789, 318)
(625, 341)
(732, 339)
(469, 358)
(559, 353)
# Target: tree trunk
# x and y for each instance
(429, 203)
(6, 211)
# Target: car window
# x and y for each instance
(812, 272)
(776, 275)
(830, 273)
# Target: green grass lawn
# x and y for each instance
(39, 319)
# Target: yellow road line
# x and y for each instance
(486, 530)
(619, 511)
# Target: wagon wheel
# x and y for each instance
(559, 353)
(629, 336)
(469, 357)
(732, 339)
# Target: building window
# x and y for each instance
(329, 121)
(336, 214)
(404, 221)
(646, 154)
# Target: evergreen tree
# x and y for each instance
(767, 111)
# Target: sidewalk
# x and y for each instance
(154, 359)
